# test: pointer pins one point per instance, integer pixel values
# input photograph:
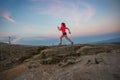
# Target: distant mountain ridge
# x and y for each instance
(114, 40)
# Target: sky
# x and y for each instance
(39, 19)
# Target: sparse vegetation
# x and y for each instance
(11, 55)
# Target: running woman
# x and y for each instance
(64, 34)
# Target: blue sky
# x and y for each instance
(39, 19)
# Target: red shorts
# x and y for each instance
(64, 33)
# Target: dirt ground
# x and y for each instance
(81, 62)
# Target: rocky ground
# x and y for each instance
(77, 62)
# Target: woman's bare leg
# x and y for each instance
(68, 39)
(61, 39)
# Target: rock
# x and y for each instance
(33, 64)
(88, 50)
(99, 60)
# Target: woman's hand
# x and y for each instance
(58, 28)
(69, 32)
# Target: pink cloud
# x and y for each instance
(7, 16)
(67, 12)
(89, 11)
(2, 34)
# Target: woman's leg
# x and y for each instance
(68, 39)
(61, 39)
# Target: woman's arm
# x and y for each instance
(68, 30)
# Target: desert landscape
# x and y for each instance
(66, 62)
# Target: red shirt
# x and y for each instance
(63, 29)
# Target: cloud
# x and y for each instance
(19, 39)
(29, 30)
(89, 11)
(3, 36)
(62, 9)
(16, 40)
(27, 33)
(7, 16)
(68, 11)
